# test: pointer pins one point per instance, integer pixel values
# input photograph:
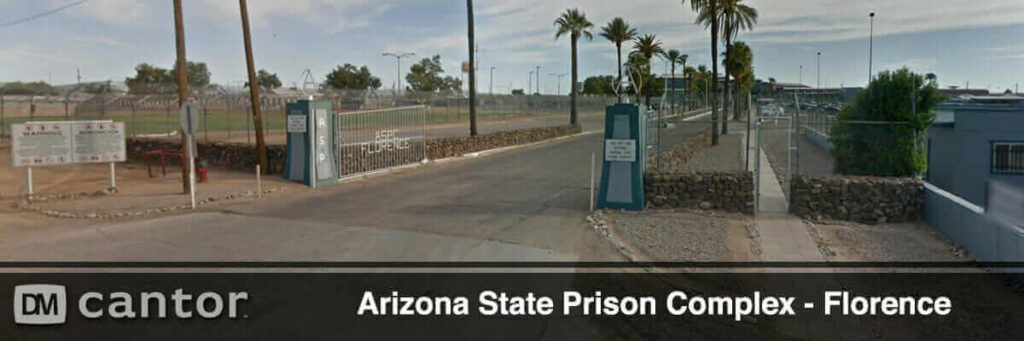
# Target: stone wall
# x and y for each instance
(861, 199)
(234, 156)
(444, 147)
(732, 192)
(241, 156)
(674, 158)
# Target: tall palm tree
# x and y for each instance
(618, 31)
(674, 56)
(575, 24)
(735, 17)
(739, 65)
(707, 14)
(647, 46)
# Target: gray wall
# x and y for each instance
(941, 155)
(987, 238)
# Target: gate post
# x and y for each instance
(622, 175)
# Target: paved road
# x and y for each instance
(527, 204)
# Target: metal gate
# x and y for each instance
(376, 140)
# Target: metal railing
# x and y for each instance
(375, 140)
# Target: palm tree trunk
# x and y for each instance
(714, 82)
(572, 106)
(618, 96)
(725, 91)
(672, 90)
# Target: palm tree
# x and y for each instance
(674, 56)
(707, 14)
(575, 24)
(618, 31)
(735, 17)
(647, 46)
(739, 65)
(472, 70)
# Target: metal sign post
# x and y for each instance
(189, 124)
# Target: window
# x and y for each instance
(1008, 158)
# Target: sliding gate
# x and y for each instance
(376, 140)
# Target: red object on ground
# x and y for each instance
(201, 172)
(163, 154)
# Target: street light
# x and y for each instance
(538, 79)
(529, 88)
(871, 46)
(559, 77)
(801, 75)
(491, 91)
(398, 58)
(819, 69)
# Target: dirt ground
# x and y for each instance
(82, 189)
(908, 242)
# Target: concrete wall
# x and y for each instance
(731, 192)
(941, 146)
(988, 239)
(862, 199)
(818, 138)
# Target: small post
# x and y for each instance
(757, 170)
(259, 182)
(113, 177)
(592, 182)
(191, 169)
(28, 181)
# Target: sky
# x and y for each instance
(980, 42)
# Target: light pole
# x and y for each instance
(538, 79)
(529, 88)
(871, 46)
(398, 58)
(819, 70)
(491, 91)
(801, 75)
(559, 86)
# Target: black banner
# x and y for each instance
(275, 306)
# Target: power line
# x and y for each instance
(40, 15)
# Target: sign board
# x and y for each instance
(189, 117)
(297, 123)
(321, 147)
(63, 143)
(620, 150)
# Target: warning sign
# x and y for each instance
(61, 143)
(620, 150)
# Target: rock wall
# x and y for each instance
(673, 159)
(234, 156)
(241, 156)
(732, 192)
(444, 147)
(861, 199)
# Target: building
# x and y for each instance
(975, 140)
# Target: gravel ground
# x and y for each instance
(884, 243)
(682, 235)
(691, 157)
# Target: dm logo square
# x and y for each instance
(40, 304)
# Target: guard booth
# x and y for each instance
(622, 177)
(310, 155)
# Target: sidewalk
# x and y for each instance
(782, 237)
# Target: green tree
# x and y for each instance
(26, 88)
(739, 65)
(646, 46)
(150, 79)
(599, 85)
(518, 92)
(618, 31)
(881, 133)
(708, 15)
(674, 56)
(425, 76)
(735, 17)
(575, 24)
(348, 77)
(267, 80)
(198, 75)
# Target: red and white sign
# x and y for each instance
(62, 143)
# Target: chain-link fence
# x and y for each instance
(226, 116)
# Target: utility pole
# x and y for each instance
(559, 86)
(179, 42)
(529, 88)
(254, 90)
(801, 75)
(472, 70)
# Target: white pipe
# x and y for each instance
(259, 183)
(28, 181)
(113, 177)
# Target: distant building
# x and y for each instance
(974, 140)
(954, 93)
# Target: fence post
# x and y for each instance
(167, 119)
(131, 104)
(3, 127)
(206, 121)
